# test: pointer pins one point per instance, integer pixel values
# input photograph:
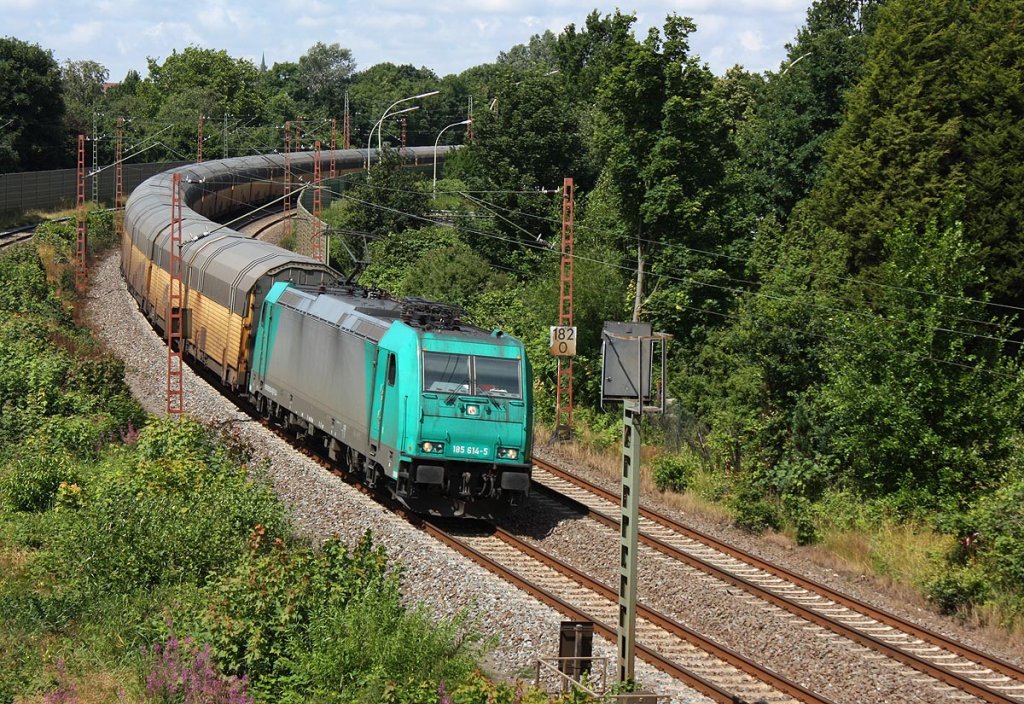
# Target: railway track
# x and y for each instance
(710, 668)
(10, 238)
(714, 670)
(988, 678)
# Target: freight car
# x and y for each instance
(400, 392)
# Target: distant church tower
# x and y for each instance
(263, 62)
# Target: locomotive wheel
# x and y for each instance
(372, 473)
(353, 460)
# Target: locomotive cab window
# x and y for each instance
(392, 370)
(447, 373)
(497, 377)
(479, 376)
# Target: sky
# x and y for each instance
(447, 36)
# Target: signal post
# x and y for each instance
(627, 356)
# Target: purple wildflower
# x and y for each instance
(66, 691)
(183, 672)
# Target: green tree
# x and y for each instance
(663, 145)
(783, 144)
(453, 274)
(373, 90)
(31, 108)
(391, 257)
(321, 77)
(539, 54)
(525, 142)
(748, 382)
(82, 83)
(391, 200)
(193, 82)
(917, 399)
(586, 55)
(939, 109)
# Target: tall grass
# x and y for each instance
(851, 535)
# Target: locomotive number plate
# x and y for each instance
(471, 450)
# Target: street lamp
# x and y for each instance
(454, 124)
(795, 62)
(387, 113)
(379, 127)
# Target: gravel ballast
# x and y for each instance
(322, 505)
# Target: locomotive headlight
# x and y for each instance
(508, 453)
(435, 448)
(472, 410)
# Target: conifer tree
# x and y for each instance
(936, 119)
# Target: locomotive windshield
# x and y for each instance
(481, 376)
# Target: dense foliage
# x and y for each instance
(150, 560)
(31, 108)
(835, 246)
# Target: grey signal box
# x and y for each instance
(623, 373)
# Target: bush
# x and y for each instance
(172, 509)
(999, 523)
(30, 482)
(479, 690)
(957, 588)
(754, 513)
(672, 472)
(602, 430)
(801, 513)
(328, 626)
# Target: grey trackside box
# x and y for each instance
(622, 370)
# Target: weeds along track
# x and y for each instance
(711, 669)
(975, 673)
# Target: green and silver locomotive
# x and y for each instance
(398, 391)
(402, 392)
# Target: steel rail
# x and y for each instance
(662, 663)
(649, 655)
(939, 672)
(9, 238)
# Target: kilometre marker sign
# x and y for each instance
(563, 341)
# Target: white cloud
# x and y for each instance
(19, 5)
(79, 35)
(393, 25)
(447, 36)
(486, 28)
(171, 35)
(738, 7)
(310, 23)
(313, 8)
(751, 41)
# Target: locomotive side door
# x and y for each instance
(384, 415)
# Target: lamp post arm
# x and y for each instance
(398, 102)
(379, 127)
(436, 141)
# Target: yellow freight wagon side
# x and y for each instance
(217, 334)
(214, 334)
(135, 268)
